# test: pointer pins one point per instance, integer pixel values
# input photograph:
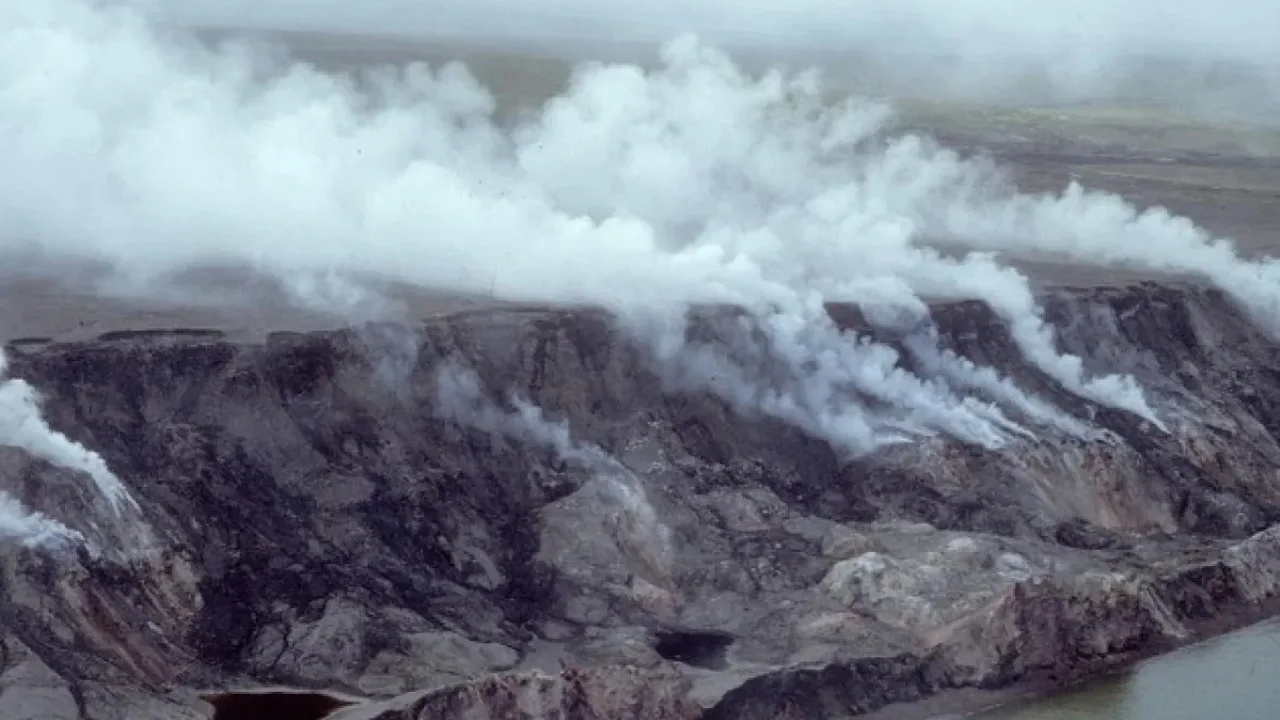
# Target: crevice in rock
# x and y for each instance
(699, 648)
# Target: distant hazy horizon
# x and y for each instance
(1209, 59)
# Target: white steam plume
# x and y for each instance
(973, 204)
(634, 190)
(33, 529)
(21, 426)
(1006, 291)
(963, 373)
(460, 398)
(799, 367)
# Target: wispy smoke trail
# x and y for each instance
(21, 426)
(460, 398)
(1007, 292)
(800, 368)
(963, 373)
(33, 529)
(393, 350)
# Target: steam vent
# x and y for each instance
(627, 379)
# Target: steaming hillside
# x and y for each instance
(533, 517)
(521, 388)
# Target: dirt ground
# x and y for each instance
(1224, 176)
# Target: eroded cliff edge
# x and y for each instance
(310, 525)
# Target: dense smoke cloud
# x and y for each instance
(643, 191)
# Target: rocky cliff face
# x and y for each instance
(318, 511)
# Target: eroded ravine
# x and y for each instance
(318, 521)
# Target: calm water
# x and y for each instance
(1236, 677)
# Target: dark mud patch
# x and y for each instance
(274, 705)
(703, 649)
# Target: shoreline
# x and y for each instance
(975, 702)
